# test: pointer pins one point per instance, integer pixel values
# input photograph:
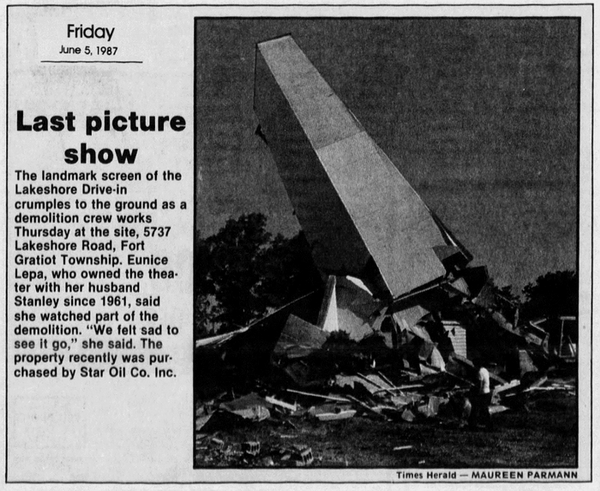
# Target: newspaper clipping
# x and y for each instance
(305, 244)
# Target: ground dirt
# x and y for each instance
(542, 433)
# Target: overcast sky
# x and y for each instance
(479, 115)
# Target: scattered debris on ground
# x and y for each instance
(341, 380)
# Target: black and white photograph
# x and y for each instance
(387, 245)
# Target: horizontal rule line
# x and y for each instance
(88, 61)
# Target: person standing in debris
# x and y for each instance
(481, 399)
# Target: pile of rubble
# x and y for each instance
(284, 369)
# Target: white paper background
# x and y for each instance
(129, 431)
(109, 429)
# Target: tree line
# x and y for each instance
(243, 272)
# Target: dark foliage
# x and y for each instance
(242, 271)
(506, 302)
(552, 295)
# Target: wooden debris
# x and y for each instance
(218, 442)
(335, 416)
(368, 408)
(311, 394)
(510, 385)
(469, 363)
(539, 382)
(285, 405)
(387, 380)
